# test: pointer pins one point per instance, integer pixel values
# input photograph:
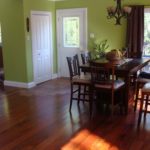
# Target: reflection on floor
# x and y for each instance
(39, 119)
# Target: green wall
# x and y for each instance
(38, 5)
(11, 17)
(98, 22)
(17, 50)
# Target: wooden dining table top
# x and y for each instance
(124, 65)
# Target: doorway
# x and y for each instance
(41, 29)
(71, 36)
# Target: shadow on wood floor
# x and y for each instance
(39, 119)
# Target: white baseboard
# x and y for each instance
(19, 84)
(54, 76)
(23, 84)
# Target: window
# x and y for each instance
(146, 51)
(71, 32)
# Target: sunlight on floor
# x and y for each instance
(85, 140)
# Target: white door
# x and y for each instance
(71, 36)
(41, 25)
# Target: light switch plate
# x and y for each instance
(92, 35)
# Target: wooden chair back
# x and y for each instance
(102, 73)
(85, 57)
(73, 64)
(102, 78)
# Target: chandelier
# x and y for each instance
(118, 12)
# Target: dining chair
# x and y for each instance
(144, 98)
(143, 78)
(103, 80)
(78, 80)
(85, 57)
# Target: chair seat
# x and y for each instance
(108, 85)
(146, 87)
(145, 97)
(84, 79)
(143, 80)
(139, 84)
(145, 74)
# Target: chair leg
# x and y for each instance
(84, 93)
(112, 103)
(123, 101)
(136, 97)
(146, 105)
(71, 97)
(91, 97)
(141, 108)
(79, 94)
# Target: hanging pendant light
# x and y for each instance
(118, 12)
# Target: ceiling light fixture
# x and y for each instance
(118, 12)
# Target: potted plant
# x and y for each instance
(100, 48)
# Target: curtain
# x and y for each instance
(135, 32)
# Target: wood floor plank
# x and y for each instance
(39, 119)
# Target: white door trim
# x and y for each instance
(51, 44)
(71, 11)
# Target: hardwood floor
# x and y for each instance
(39, 119)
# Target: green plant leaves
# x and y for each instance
(100, 47)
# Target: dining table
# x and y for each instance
(124, 68)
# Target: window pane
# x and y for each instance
(146, 34)
(71, 31)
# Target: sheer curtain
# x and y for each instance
(135, 32)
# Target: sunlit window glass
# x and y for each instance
(146, 51)
(71, 31)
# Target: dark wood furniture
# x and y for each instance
(145, 97)
(85, 57)
(143, 77)
(103, 80)
(124, 69)
(76, 79)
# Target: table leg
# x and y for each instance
(127, 90)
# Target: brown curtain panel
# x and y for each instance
(135, 32)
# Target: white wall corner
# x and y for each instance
(19, 84)
(54, 76)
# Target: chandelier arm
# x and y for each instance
(117, 12)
